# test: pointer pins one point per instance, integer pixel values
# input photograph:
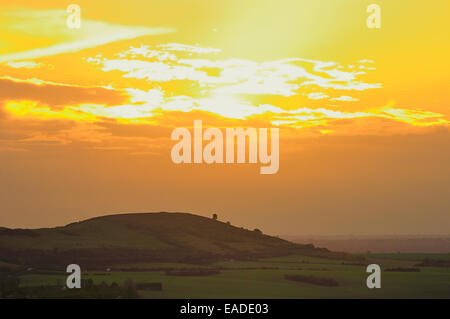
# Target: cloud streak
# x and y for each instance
(51, 24)
(55, 95)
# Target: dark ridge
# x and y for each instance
(17, 232)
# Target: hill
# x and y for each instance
(149, 237)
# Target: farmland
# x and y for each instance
(265, 279)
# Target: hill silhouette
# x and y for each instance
(144, 237)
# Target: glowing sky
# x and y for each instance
(137, 69)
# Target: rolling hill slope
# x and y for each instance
(128, 238)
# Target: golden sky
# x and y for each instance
(86, 114)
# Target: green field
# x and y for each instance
(250, 280)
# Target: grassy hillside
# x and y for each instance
(151, 237)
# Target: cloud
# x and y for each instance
(414, 117)
(51, 25)
(316, 96)
(24, 64)
(225, 91)
(181, 80)
(285, 77)
(57, 95)
(344, 98)
(188, 48)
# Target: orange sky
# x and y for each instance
(86, 114)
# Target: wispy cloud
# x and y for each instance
(24, 64)
(55, 95)
(51, 24)
(316, 96)
(344, 98)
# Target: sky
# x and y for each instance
(86, 114)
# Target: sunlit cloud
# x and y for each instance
(188, 48)
(51, 24)
(56, 95)
(230, 89)
(316, 96)
(24, 64)
(344, 98)
(232, 76)
(225, 87)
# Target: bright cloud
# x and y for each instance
(229, 88)
(51, 24)
(24, 64)
(188, 48)
(344, 98)
(316, 96)
(234, 76)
